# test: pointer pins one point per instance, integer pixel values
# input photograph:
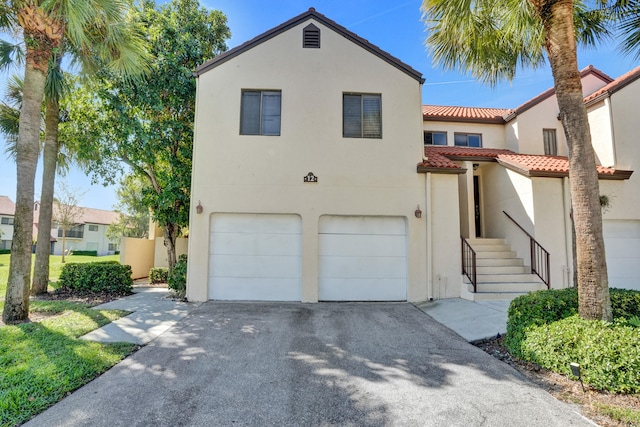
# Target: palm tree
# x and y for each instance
(98, 30)
(491, 39)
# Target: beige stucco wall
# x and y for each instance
(493, 135)
(602, 133)
(264, 174)
(530, 125)
(160, 254)
(138, 253)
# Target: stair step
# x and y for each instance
(488, 296)
(486, 241)
(491, 248)
(503, 269)
(507, 278)
(501, 254)
(508, 287)
(499, 262)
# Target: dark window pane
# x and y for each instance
(439, 138)
(372, 126)
(460, 139)
(250, 113)
(352, 116)
(474, 140)
(271, 113)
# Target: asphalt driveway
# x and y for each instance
(281, 364)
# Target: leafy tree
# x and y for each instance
(148, 126)
(134, 221)
(491, 40)
(67, 212)
(97, 30)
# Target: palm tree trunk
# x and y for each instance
(593, 285)
(50, 158)
(16, 307)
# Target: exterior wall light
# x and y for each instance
(418, 212)
(199, 208)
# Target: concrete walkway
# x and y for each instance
(473, 321)
(153, 314)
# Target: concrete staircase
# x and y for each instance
(500, 273)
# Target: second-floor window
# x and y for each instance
(468, 140)
(361, 115)
(550, 144)
(75, 232)
(260, 112)
(435, 138)
(6, 220)
(93, 227)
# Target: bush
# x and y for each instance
(177, 279)
(84, 253)
(158, 275)
(608, 353)
(544, 328)
(97, 277)
(5, 251)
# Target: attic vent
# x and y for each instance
(311, 37)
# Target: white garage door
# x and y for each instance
(362, 258)
(255, 257)
(622, 246)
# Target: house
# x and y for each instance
(88, 233)
(7, 213)
(318, 175)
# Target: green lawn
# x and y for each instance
(41, 362)
(55, 267)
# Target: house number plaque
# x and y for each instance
(310, 177)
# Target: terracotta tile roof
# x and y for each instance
(7, 207)
(297, 20)
(441, 159)
(92, 216)
(552, 166)
(464, 114)
(614, 86)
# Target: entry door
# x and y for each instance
(476, 204)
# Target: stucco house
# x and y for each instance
(88, 233)
(318, 175)
(7, 213)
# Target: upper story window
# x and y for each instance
(311, 37)
(6, 220)
(550, 144)
(467, 139)
(75, 232)
(435, 138)
(260, 112)
(93, 227)
(361, 115)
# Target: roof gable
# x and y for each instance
(92, 216)
(7, 207)
(613, 86)
(293, 22)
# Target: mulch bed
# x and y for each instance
(563, 388)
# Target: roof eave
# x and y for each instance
(426, 169)
(492, 120)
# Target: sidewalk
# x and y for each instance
(473, 321)
(153, 314)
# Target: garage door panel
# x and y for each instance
(256, 223)
(255, 289)
(363, 290)
(622, 246)
(374, 245)
(621, 228)
(363, 267)
(255, 266)
(256, 244)
(330, 224)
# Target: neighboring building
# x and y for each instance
(88, 234)
(305, 185)
(7, 214)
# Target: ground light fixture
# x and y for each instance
(575, 370)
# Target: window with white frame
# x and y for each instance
(260, 112)
(435, 138)
(93, 227)
(550, 143)
(361, 115)
(467, 140)
(112, 247)
(6, 220)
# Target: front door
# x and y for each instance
(476, 204)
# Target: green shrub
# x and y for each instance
(85, 253)
(608, 353)
(5, 251)
(625, 303)
(177, 279)
(97, 277)
(158, 275)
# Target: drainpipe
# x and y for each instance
(429, 238)
(566, 199)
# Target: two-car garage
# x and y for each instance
(259, 257)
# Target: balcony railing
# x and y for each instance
(71, 234)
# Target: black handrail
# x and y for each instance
(469, 262)
(540, 259)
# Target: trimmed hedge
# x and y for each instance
(97, 277)
(5, 251)
(178, 277)
(544, 328)
(85, 253)
(158, 275)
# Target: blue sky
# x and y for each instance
(394, 26)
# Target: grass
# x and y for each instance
(627, 416)
(40, 363)
(55, 267)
